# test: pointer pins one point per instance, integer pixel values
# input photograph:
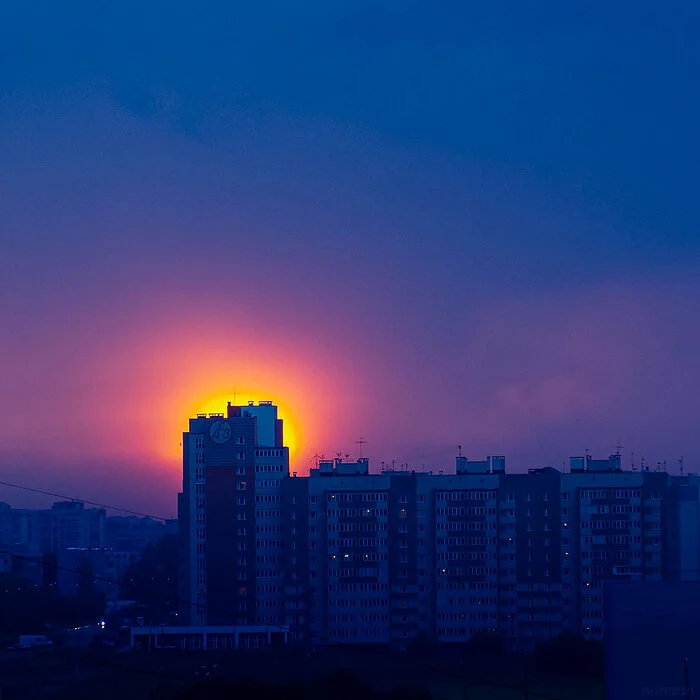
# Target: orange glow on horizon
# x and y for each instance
(201, 370)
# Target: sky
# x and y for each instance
(422, 224)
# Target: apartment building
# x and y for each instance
(229, 516)
(346, 555)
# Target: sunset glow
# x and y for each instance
(217, 403)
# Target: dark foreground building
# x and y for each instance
(652, 645)
(345, 555)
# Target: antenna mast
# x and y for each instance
(361, 442)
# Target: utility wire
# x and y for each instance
(82, 500)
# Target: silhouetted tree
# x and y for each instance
(484, 644)
(570, 655)
(152, 581)
(408, 692)
(422, 646)
(343, 685)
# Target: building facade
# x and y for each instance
(65, 524)
(345, 555)
(230, 521)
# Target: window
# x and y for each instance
(240, 455)
(240, 440)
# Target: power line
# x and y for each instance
(82, 500)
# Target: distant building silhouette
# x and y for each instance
(65, 524)
(353, 556)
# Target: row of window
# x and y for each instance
(464, 525)
(359, 527)
(355, 497)
(459, 631)
(362, 572)
(466, 571)
(460, 586)
(488, 600)
(267, 483)
(607, 524)
(597, 494)
(451, 616)
(465, 495)
(462, 556)
(358, 542)
(459, 510)
(268, 468)
(373, 556)
(465, 541)
(267, 513)
(606, 509)
(357, 512)
(612, 539)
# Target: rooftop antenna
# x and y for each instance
(588, 454)
(634, 467)
(680, 462)
(361, 442)
(459, 450)
(235, 393)
(347, 457)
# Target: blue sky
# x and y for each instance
(498, 201)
